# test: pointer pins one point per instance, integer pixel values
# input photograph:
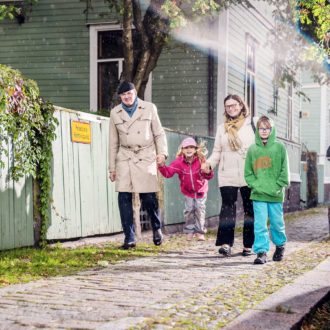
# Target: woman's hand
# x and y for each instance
(206, 168)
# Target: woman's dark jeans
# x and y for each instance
(149, 202)
(227, 218)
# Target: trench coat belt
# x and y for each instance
(136, 149)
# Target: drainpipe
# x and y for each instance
(210, 91)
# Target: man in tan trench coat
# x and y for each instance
(137, 142)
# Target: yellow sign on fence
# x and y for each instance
(81, 132)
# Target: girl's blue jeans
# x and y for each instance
(262, 212)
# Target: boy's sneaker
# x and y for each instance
(246, 252)
(200, 237)
(279, 253)
(261, 258)
(225, 250)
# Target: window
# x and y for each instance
(250, 76)
(106, 65)
(289, 131)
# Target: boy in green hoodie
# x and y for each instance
(267, 174)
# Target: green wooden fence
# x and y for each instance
(84, 200)
(16, 210)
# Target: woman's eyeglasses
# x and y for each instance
(229, 106)
(262, 129)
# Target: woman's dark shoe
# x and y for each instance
(261, 258)
(127, 246)
(158, 237)
(279, 253)
(225, 250)
(246, 252)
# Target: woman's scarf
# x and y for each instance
(232, 126)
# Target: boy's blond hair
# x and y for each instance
(265, 120)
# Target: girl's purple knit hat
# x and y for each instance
(188, 142)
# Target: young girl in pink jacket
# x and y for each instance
(193, 184)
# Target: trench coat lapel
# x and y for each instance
(136, 115)
(123, 115)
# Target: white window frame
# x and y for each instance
(93, 61)
(93, 64)
(253, 43)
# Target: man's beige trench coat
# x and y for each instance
(133, 145)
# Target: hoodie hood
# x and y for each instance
(271, 138)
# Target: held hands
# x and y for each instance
(160, 159)
(112, 176)
(206, 168)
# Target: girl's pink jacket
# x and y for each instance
(193, 182)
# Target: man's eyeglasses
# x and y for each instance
(262, 129)
(227, 107)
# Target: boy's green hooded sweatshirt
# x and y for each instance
(267, 169)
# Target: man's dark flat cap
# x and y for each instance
(124, 87)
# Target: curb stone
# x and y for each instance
(285, 308)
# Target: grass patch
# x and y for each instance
(28, 264)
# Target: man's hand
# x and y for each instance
(112, 176)
(160, 159)
(206, 167)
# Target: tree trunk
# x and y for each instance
(128, 40)
(153, 31)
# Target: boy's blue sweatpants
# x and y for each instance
(263, 211)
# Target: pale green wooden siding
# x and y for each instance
(179, 89)
(173, 198)
(307, 77)
(16, 211)
(52, 47)
(84, 200)
(294, 152)
(310, 133)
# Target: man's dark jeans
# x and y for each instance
(227, 218)
(149, 202)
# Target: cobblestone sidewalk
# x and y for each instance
(191, 289)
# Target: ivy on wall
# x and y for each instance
(27, 129)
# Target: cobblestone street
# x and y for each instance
(162, 292)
